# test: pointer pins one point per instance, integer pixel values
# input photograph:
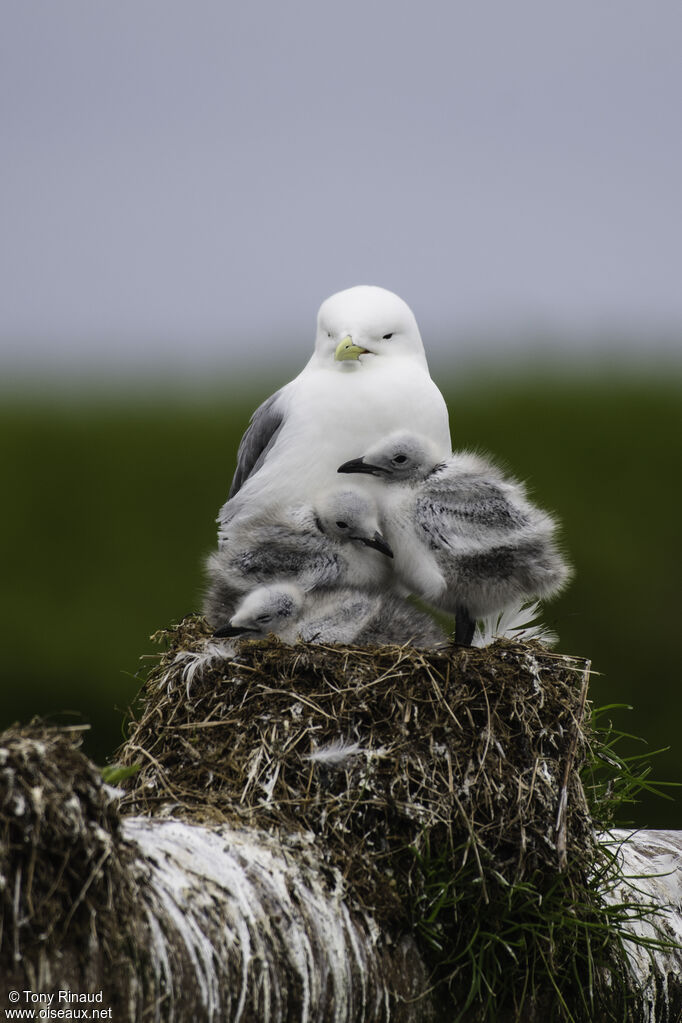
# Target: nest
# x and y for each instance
(391, 757)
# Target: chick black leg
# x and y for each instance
(465, 626)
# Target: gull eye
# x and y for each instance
(263, 619)
(329, 333)
(387, 337)
(342, 525)
(400, 459)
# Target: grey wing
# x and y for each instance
(472, 507)
(277, 553)
(260, 435)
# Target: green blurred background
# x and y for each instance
(110, 502)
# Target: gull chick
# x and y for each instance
(367, 376)
(465, 537)
(341, 615)
(335, 541)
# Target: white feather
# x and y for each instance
(196, 662)
(335, 754)
(518, 621)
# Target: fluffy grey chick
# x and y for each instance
(465, 537)
(340, 615)
(336, 541)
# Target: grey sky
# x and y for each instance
(183, 183)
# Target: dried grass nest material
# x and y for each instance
(467, 753)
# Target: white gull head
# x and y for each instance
(364, 322)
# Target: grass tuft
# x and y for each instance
(544, 947)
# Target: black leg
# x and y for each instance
(465, 626)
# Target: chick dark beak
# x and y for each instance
(358, 465)
(379, 544)
(231, 630)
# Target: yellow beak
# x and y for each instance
(347, 350)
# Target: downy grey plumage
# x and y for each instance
(465, 537)
(335, 542)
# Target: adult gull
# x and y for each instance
(367, 377)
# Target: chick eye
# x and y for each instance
(329, 333)
(263, 619)
(387, 337)
(400, 459)
(342, 525)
